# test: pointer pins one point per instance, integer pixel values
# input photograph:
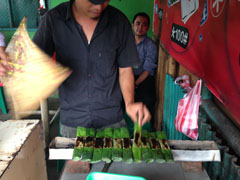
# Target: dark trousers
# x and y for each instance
(146, 93)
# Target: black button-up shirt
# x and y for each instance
(91, 96)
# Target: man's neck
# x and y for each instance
(138, 39)
(88, 24)
(80, 16)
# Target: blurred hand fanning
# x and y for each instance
(3, 62)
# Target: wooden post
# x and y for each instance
(45, 117)
(172, 67)
(160, 87)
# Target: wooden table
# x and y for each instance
(22, 153)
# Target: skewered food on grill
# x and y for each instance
(107, 145)
(127, 146)
(116, 145)
(98, 148)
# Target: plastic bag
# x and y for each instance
(186, 120)
(183, 82)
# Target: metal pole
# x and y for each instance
(10, 13)
(45, 123)
(228, 130)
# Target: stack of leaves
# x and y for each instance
(127, 146)
(164, 146)
(107, 145)
(80, 143)
(117, 145)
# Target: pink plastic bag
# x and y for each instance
(184, 82)
(186, 120)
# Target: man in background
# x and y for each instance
(145, 72)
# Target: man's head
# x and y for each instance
(91, 8)
(141, 22)
(98, 1)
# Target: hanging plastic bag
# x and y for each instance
(183, 82)
(186, 120)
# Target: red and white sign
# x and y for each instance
(207, 44)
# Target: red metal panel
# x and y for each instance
(204, 36)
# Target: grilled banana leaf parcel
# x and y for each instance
(155, 147)
(147, 154)
(167, 153)
(89, 145)
(80, 142)
(136, 147)
(107, 145)
(98, 148)
(127, 146)
(117, 145)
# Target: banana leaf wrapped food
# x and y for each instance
(167, 153)
(107, 145)
(98, 148)
(126, 145)
(89, 145)
(136, 147)
(80, 142)
(147, 154)
(117, 145)
(155, 148)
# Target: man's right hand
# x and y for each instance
(3, 62)
(138, 111)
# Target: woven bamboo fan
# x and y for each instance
(32, 76)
